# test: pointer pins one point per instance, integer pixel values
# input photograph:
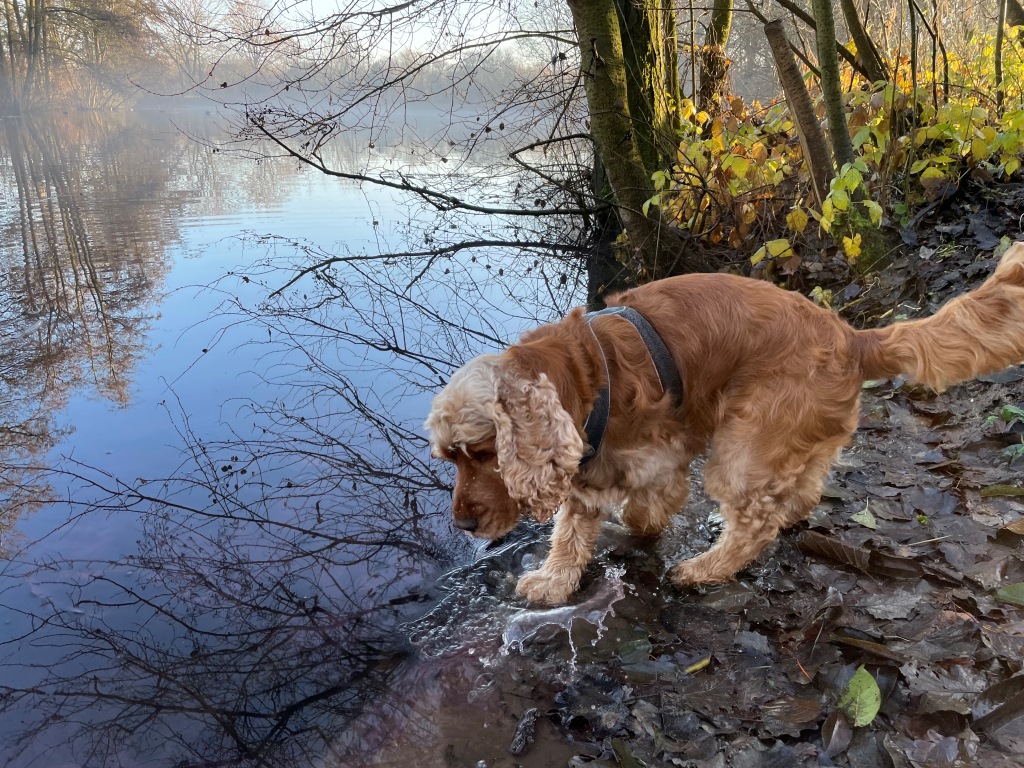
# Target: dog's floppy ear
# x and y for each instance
(538, 446)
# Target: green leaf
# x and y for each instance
(1010, 412)
(862, 698)
(874, 211)
(861, 137)
(1001, 490)
(1011, 593)
(656, 200)
(865, 518)
(919, 165)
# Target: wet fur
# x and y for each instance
(772, 386)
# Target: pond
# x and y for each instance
(218, 511)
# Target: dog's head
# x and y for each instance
(514, 447)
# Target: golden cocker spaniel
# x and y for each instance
(772, 384)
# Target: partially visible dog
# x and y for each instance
(772, 383)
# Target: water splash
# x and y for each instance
(525, 624)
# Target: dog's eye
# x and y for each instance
(483, 455)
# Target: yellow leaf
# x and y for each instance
(821, 296)
(851, 247)
(797, 220)
(980, 149)
(759, 254)
(932, 173)
(701, 117)
(778, 247)
(1011, 166)
(828, 214)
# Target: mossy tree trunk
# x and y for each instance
(831, 88)
(714, 68)
(628, 54)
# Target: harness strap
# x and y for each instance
(668, 374)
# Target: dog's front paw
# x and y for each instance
(546, 587)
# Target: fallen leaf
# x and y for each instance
(940, 689)
(793, 709)
(836, 733)
(1002, 490)
(1015, 527)
(898, 605)
(865, 518)
(1011, 593)
(862, 698)
(871, 647)
(1001, 704)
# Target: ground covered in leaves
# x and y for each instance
(911, 569)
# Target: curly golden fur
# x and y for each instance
(772, 387)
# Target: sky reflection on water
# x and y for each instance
(216, 502)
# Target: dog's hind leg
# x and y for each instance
(572, 548)
(758, 497)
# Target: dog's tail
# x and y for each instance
(977, 333)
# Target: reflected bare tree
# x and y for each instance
(257, 620)
(79, 282)
(76, 295)
(256, 617)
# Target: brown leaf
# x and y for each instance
(1011, 693)
(793, 709)
(836, 733)
(834, 549)
(875, 648)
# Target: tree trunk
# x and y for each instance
(1000, 29)
(605, 274)
(1014, 13)
(812, 141)
(713, 64)
(618, 134)
(649, 48)
(831, 87)
(866, 51)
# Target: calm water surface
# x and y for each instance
(216, 500)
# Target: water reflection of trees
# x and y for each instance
(241, 633)
(256, 623)
(77, 279)
(96, 203)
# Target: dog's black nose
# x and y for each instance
(466, 523)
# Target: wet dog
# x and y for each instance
(770, 381)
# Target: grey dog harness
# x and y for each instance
(668, 374)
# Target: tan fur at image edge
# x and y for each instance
(772, 385)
